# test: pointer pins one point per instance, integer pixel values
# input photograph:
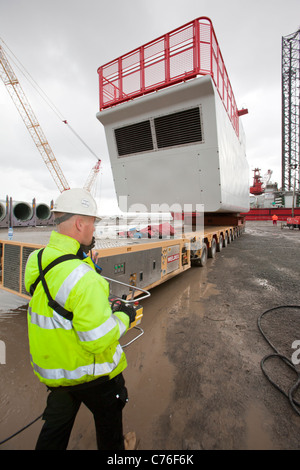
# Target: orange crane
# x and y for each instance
(19, 98)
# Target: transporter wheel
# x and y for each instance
(212, 249)
(220, 243)
(203, 259)
(225, 240)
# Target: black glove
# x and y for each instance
(118, 306)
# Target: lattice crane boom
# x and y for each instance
(92, 176)
(290, 159)
(23, 106)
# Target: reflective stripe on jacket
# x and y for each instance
(65, 352)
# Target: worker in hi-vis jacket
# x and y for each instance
(73, 332)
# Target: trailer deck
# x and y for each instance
(142, 262)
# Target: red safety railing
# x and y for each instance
(179, 55)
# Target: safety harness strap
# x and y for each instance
(51, 302)
(58, 260)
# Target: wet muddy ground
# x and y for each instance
(194, 378)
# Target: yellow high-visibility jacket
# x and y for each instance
(65, 352)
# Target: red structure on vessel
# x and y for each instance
(257, 187)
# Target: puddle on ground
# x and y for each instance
(257, 421)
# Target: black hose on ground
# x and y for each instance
(290, 394)
(20, 430)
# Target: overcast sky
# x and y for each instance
(62, 44)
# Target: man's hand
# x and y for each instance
(118, 306)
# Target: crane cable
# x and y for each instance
(78, 136)
(43, 95)
(290, 394)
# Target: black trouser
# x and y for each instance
(105, 400)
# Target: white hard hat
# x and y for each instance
(76, 201)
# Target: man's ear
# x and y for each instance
(79, 223)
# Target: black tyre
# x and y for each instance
(212, 249)
(225, 240)
(220, 243)
(203, 259)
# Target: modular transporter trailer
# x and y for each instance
(143, 263)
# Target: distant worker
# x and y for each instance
(274, 218)
(73, 333)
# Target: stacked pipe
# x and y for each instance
(22, 213)
(4, 213)
(2, 210)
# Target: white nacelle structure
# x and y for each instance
(178, 146)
